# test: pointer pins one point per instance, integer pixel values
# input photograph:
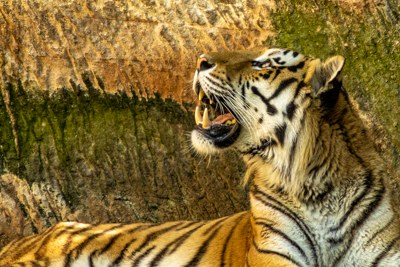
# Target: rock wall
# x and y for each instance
(96, 106)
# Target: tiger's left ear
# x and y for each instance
(322, 74)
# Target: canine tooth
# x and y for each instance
(195, 81)
(210, 101)
(206, 120)
(233, 121)
(201, 94)
(197, 116)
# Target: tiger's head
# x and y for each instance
(260, 98)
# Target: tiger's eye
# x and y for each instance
(268, 64)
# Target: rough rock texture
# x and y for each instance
(95, 102)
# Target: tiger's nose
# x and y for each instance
(204, 64)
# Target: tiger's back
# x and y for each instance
(219, 242)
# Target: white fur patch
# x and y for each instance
(291, 58)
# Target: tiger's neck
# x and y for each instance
(312, 164)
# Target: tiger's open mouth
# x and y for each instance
(224, 130)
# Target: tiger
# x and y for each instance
(318, 189)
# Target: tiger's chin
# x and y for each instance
(212, 139)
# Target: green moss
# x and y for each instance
(367, 41)
(8, 152)
(59, 133)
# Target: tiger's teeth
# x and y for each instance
(197, 116)
(195, 81)
(210, 101)
(206, 119)
(201, 94)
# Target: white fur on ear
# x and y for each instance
(326, 72)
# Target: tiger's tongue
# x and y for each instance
(223, 118)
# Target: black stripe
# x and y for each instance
(271, 110)
(156, 260)
(284, 236)
(278, 61)
(292, 152)
(110, 243)
(11, 244)
(265, 75)
(292, 215)
(121, 255)
(238, 220)
(78, 249)
(384, 252)
(379, 231)
(177, 242)
(105, 249)
(154, 235)
(300, 85)
(280, 132)
(216, 84)
(336, 241)
(245, 105)
(206, 232)
(203, 249)
(72, 235)
(277, 72)
(290, 110)
(141, 257)
(128, 232)
(247, 262)
(46, 237)
(14, 243)
(260, 149)
(265, 251)
(284, 84)
(357, 225)
(65, 230)
(91, 264)
(65, 251)
(367, 186)
(296, 67)
(21, 243)
(370, 209)
(187, 226)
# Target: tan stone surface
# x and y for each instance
(145, 46)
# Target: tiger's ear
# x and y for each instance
(321, 74)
